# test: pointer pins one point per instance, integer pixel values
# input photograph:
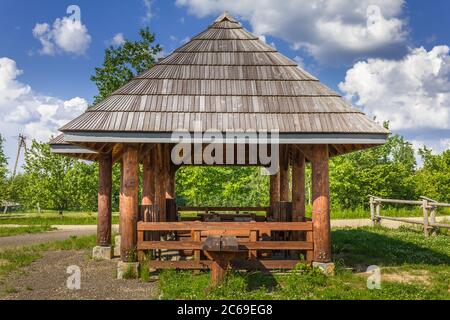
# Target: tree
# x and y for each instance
(123, 63)
(223, 186)
(433, 179)
(385, 171)
(57, 182)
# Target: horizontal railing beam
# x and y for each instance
(208, 226)
(223, 209)
(198, 245)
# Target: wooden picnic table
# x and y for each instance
(221, 250)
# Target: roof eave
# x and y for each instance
(283, 138)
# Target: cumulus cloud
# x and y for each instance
(117, 40)
(24, 111)
(65, 35)
(331, 31)
(412, 93)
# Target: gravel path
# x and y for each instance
(62, 233)
(46, 279)
(356, 223)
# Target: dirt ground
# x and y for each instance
(46, 279)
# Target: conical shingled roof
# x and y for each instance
(229, 80)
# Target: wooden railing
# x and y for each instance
(429, 208)
(250, 238)
(223, 209)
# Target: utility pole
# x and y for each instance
(22, 144)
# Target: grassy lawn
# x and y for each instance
(7, 231)
(53, 218)
(15, 259)
(412, 268)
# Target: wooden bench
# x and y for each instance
(245, 250)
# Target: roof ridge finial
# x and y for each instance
(226, 16)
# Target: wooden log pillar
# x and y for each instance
(170, 171)
(274, 193)
(148, 190)
(321, 204)
(129, 203)
(160, 183)
(298, 187)
(104, 223)
(298, 196)
(148, 180)
(284, 173)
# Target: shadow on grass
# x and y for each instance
(359, 248)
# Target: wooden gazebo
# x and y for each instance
(224, 80)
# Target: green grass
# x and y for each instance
(400, 253)
(15, 259)
(7, 231)
(53, 218)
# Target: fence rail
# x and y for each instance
(429, 208)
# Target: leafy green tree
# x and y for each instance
(433, 179)
(386, 171)
(123, 63)
(57, 182)
(222, 186)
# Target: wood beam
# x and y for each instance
(298, 187)
(321, 204)
(306, 150)
(160, 182)
(104, 222)
(169, 172)
(129, 202)
(284, 173)
(274, 192)
(148, 177)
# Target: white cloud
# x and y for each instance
(66, 35)
(412, 93)
(117, 40)
(24, 111)
(300, 61)
(148, 6)
(331, 31)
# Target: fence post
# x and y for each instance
(372, 210)
(425, 217)
(378, 213)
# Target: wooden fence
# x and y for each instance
(429, 208)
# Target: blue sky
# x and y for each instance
(332, 41)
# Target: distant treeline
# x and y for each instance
(54, 182)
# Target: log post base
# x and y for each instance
(102, 253)
(327, 268)
(220, 266)
(127, 270)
